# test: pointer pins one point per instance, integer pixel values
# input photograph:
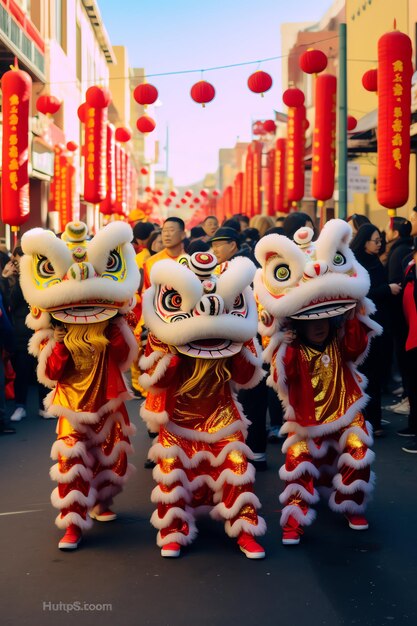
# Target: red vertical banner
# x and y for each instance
(95, 174)
(249, 182)
(125, 178)
(324, 138)
(118, 205)
(394, 116)
(71, 192)
(16, 88)
(238, 193)
(295, 153)
(228, 207)
(270, 182)
(55, 185)
(106, 206)
(257, 179)
(280, 190)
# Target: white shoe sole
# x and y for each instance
(172, 554)
(363, 527)
(252, 555)
(64, 545)
(290, 542)
(102, 518)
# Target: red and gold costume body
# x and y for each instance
(200, 452)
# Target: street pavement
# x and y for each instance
(117, 576)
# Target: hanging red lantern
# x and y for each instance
(16, 88)
(148, 189)
(173, 193)
(95, 170)
(196, 200)
(370, 80)
(107, 205)
(123, 134)
(352, 122)
(281, 203)
(188, 193)
(259, 82)
(394, 116)
(159, 192)
(216, 192)
(204, 193)
(72, 146)
(145, 124)
(98, 97)
(258, 128)
(202, 92)
(295, 153)
(48, 105)
(144, 171)
(270, 126)
(145, 94)
(293, 97)
(82, 111)
(313, 61)
(324, 143)
(184, 200)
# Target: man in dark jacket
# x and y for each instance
(6, 346)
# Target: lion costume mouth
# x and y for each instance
(85, 314)
(210, 348)
(322, 307)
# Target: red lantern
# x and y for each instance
(259, 82)
(72, 146)
(173, 193)
(293, 97)
(324, 144)
(184, 200)
(394, 105)
(313, 61)
(145, 124)
(145, 94)
(295, 153)
(123, 134)
(196, 200)
(144, 171)
(48, 105)
(188, 193)
(107, 205)
(216, 192)
(270, 126)
(204, 193)
(95, 170)
(352, 122)
(81, 112)
(98, 97)
(202, 92)
(159, 192)
(16, 88)
(370, 80)
(148, 189)
(258, 128)
(281, 203)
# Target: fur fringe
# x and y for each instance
(221, 511)
(242, 525)
(295, 512)
(357, 485)
(73, 518)
(305, 467)
(75, 471)
(73, 496)
(294, 488)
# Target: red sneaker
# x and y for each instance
(105, 516)
(357, 522)
(71, 539)
(250, 548)
(172, 550)
(291, 532)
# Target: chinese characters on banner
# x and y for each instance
(280, 188)
(295, 153)
(324, 138)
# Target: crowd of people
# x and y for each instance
(389, 257)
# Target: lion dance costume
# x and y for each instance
(322, 392)
(86, 287)
(200, 350)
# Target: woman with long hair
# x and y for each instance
(366, 246)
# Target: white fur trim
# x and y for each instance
(347, 506)
(151, 380)
(359, 432)
(176, 494)
(38, 323)
(153, 420)
(73, 518)
(146, 362)
(43, 357)
(227, 476)
(242, 525)
(74, 472)
(295, 488)
(79, 449)
(95, 438)
(130, 339)
(173, 513)
(110, 475)
(158, 451)
(235, 280)
(119, 448)
(73, 496)
(84, 417)
(305, 467)
(348, 460)
(34, 345)
(221, 511)
(357, 485)
(196, 435)
(183, 540)
(304, 519)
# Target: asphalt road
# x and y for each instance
(117, 576)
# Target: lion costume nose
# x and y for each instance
(315, 268)
(209, 305)
(81, 271)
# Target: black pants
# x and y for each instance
(254, 403)
(376, 362)
(411, 386)
(24, 365)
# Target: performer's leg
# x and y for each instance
(109, 446)
(354, 481)
(74, 494)
(173, 517)
(299, 473)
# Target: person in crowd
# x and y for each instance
(6, 346)
(279, 221)
(198, 232)
(234, 223)
(173, 235)
(24, 364)
(226, 245)
(141, 233)
(413, 220)
(250, 237)
(366, 245)
(297, 220)
(243, 220)
(262, 223)
(198, 245)
(410, 313)
(210, 225)
(356, 220)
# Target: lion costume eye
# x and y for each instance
(171, 300)
(282, 272)
(339, 259)
(114, 262)
(239, 306)
(44, 267)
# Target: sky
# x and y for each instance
(177, 35)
